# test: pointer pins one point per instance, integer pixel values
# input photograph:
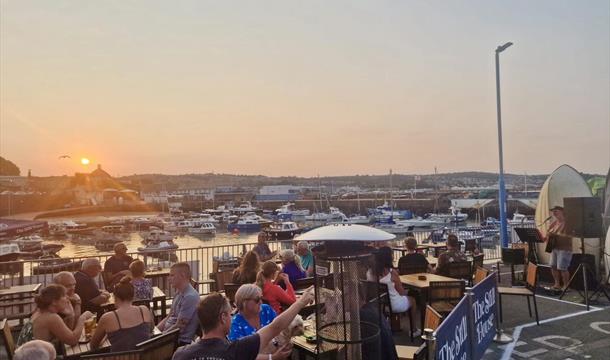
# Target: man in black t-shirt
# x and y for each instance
(91, 296)
(117, 266)
(214, 313)
(412, 257)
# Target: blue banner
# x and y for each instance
(452, 336)
(483, 314)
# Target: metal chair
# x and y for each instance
(444, 295)
(373, 287)
(7, 336)
(480, 274)
(459, 270)
(159, 348)
(405, 267)
(531, 281)
(432, 318)
(304, 283)
(230, 291)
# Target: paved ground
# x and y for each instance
(566, 330)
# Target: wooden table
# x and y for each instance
(83, 348)
(304, 348)
(20, 290)
(435, 247)
(422, 287)
(158, 299)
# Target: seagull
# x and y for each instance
(65, 157)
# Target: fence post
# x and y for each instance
(430, 340)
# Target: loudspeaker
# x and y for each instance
(577, 284)
(583, 216)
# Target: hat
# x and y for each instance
(557, 207)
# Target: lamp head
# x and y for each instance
(504, 47)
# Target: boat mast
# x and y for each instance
(436, 191)
(391, 199)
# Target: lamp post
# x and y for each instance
(501, 185)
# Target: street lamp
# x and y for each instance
(501, 185)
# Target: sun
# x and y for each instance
(84, 161)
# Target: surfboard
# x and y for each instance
(564, 182)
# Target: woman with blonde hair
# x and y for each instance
(252, 314)
(247, 270)
(291, 265)
(268, 279)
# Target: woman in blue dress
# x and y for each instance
(252, 313)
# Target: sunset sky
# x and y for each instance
(303, 88)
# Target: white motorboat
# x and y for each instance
(158, 235)
(456, 215)
(28, 242)
(520, 219)
(244, 208)
(419, 222)
(205, 228)
(169, 225)
(9, 252)
(358, 219)
(157, 247)
(203, 218)
(287, 211)
(334, 214)
(396, 228)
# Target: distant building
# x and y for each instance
(99, 188)
(279, 193)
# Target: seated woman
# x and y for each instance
(126, 326)
(46, 324)
(247, 270)
(252, 314)
(291, 265)
(268, 279)
(384, 271)
(142, 287)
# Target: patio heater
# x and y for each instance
(342, 254)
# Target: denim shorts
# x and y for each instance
(561, 259)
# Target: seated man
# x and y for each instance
(67, 280)
(412, 257)
(117, 266)
(383, 347)
(86, 287)
(453, 254)
(262, 249)
(35, 350)
(184, 306)
(214, 313)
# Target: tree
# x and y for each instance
(7, 168)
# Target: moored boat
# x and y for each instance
(203, 229)
(282, 231)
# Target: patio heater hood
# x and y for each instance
(345, 239)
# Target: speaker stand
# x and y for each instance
(584, 268)
(601, 287)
